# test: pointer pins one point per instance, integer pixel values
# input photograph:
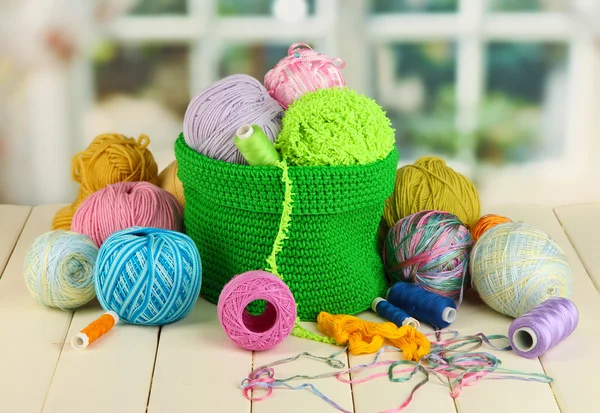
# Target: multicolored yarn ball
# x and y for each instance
(109, 158)
(430, 248)
(125, 205)
(263, 331)
(487, 222)
(430, 184)
(59, 269)
(515, 267)
(148, 276)
(215, 114)
(335, 127)
(169, 181)
(303, 70)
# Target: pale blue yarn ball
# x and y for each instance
(148, 276)
(59, 269)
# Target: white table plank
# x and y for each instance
(301, 401)
(112, 374)
(381, 394)
(582, 223)
(573, 363)
(12, 220)
(198, 368)
(28, 351)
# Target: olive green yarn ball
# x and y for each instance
(430, 184)
(335, 126)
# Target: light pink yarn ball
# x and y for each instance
(125, 205)
(260, 332)
(303, 70)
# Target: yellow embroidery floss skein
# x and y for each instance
(109, 159)
(515, 267)
(367, 337)
(430, 184)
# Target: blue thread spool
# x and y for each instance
(437, 310)
(391, 313)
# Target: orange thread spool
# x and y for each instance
(487, 222)
(95, 330)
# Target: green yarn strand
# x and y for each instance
(284, 223)
(282, 234)
(301, 332)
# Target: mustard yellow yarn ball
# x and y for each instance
(430, 184)
(169, 181)
(515, 267)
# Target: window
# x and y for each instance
(489, 85)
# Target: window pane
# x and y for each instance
(140, 89)
(254, 60)
(254, 7)
(522, 116)
(527, 5)
(407, 6)
(146, 7)
(414, 83)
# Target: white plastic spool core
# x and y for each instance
(245, 131)
(412, 322)
(376, 301)
(449, 314)
(524, 339)
(80, 341)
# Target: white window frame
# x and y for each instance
(344, 28)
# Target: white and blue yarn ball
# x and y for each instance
(148, 276)
(514, 267)
(59, 269)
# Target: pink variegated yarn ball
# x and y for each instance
(263, 331)
(303, 70)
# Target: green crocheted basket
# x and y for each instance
(330, 259)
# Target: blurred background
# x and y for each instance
(507, 91)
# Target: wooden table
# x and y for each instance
(191, 366)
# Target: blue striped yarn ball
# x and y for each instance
(148, 276)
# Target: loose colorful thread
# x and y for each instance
(446, 361)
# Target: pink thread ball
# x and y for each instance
(303, 70)
(260, 332)
(125, 205)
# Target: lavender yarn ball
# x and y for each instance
(214, 115)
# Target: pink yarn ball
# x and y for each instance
(303, 70)
(125, 205)
(263, 331)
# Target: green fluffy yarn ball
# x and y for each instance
(335, 126)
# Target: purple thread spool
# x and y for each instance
(550, 322)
